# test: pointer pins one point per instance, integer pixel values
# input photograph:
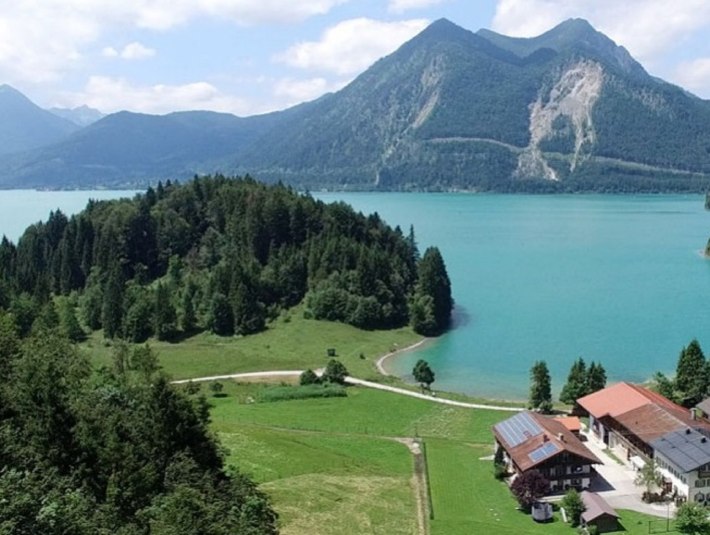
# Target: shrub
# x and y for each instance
(335, 372)
(288, 393)
(308, 377)
(574, 506)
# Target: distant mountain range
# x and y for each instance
(449, 110)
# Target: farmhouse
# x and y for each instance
(531, 441)
(638, 425)
(683, 458)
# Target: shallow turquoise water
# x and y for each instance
(617, 279)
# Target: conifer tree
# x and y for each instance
(164, 317)
(540, 387)
(596, 378)
(433, 283)
(691, 380)
(112, 308)
(577, 383)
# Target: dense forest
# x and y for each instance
(220, 254)
(113, 451)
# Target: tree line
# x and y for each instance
(582, 380)
(220, 254)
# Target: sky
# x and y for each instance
(253, 56)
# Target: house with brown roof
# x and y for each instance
(531, 441)
(638, 424)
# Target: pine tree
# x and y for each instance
(540, 387)
(112, 308)
(434, 283)
(577, 383)
(596, 378)
(164, 316)
(691, 378)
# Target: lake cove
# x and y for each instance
(616, 279)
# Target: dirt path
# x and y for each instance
(419, 484)
(352, 381)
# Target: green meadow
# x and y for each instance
(336, 466)
(290, 342)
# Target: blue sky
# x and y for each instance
(253, 56)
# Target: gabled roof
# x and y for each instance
(649, 422)
(596, 506)
(645, 413)
(531, 438)
(704, 405)
(687, 448)
(570, 422)
(614, 400)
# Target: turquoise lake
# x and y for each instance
(617, 279)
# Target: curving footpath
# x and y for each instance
(357, 382)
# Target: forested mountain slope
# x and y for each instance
(450, 109)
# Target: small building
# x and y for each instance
(572, 423)
(683, 457)
(531, 441)
(598, 513)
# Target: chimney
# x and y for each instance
(561, 437)
(545, 437)
(693, 414)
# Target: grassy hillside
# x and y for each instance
(289, 343)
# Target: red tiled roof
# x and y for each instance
(645, 413)
(613, 400)
(553, 431)
(570, 422)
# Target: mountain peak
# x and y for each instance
(571, 35)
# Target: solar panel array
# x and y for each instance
(543, 452)
(518, 429)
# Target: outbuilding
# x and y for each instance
(598, 513)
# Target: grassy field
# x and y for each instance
(334, 466)
(290, 343)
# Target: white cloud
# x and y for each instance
(352, 45)
(400, 6)
(647, 28)
(40, 40)
(291, 91)
(115, 94)
(137, 50)
(131, 51)
(695, 76)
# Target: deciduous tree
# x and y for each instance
(423, 374)
(528, 488)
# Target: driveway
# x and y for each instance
(615, 482)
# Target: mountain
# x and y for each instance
(26, 126)
(80, 116)
(568, 110)
(128, 149)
